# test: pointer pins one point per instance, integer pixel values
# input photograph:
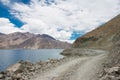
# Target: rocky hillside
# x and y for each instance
(111, 69)
(100, 37)
(114, 55)
(30, 41)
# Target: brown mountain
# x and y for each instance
(43, 42)
(101, 37)
(30, 41)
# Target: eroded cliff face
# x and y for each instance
(101, 37)
(30, 41)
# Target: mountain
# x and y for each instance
(30, 41)
(9, 40)
(101, 37)
(43, 41)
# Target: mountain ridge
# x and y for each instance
(19, 40)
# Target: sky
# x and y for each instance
(64, 20)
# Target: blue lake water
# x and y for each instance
(9, 57)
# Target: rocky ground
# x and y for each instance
(77, 67)
(111, 69)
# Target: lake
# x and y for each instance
(9, 57)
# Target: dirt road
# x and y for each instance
(75, 68)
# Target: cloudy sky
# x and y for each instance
(65, 20)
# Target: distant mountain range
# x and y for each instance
(101, 37)
(28, 40)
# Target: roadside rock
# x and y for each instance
(1, 76)
(112, 73)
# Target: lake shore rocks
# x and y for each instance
(24, 70)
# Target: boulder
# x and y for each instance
(16, 68)
(1, 76)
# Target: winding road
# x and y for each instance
(78, 68)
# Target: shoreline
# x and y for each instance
(22, 69)
(27, 55)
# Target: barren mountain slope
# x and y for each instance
(100, 37)
(43, 42)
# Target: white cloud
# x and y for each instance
(63, 17)
(7, 27)
(5, 2)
